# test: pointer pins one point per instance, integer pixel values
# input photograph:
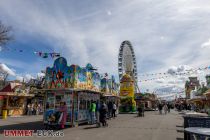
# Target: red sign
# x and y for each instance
(18, 133)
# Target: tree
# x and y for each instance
(5, 35)
(3, 79)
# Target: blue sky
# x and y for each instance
(164, 33)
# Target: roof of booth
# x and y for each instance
(67, 90)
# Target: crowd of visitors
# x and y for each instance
(34, 109)
(100, 112)
(164, 107)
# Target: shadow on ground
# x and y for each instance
(23, 126)
(180, 131)
(91, 127)
(179, 138)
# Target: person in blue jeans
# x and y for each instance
(92, 110)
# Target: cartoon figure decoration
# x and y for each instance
(109, 86)
(96, 80)
(82, 78)
(74, 76)
(127, 94)
(55, 76)
(127, 86)
(115, 86)
(104, 85)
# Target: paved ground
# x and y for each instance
(125, 127)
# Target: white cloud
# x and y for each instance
(161, 80)
(206, 44)
(5, 69)
(182, 68)
(40, 75)
(20, 78)
(25, 78)
(162, 37)
(86, 34)
(109, 13)
(28, 77)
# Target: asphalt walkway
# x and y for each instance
(125, 127)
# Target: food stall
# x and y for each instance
(14, 99)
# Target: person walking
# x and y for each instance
(110, 107)
(142, 108)
(169, 107)
(93, 112)
(103, 113)
(160, 107)
(98, 106)
(29, 109)
(33, 110)
(139, 110)
(165, 109)
(114, 110)
(39, 109)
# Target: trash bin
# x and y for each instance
(4, 114)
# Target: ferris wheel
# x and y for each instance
(127, 62)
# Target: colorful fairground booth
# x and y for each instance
(13, 99)
(77, 86)
(110, 91)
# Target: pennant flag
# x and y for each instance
(40, 53)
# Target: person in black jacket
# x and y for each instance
(160, 108)
(110, 107)
(103, 113)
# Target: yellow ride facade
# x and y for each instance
(127, 90)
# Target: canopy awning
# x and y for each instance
(16, 94)
(196, 100)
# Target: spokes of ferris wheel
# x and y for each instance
(127, 62)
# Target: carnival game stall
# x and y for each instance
(77, 86)
(14, 100)
(77, 102)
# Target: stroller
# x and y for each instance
(140, 112)
(53, 121)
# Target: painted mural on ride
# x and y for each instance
(62, 76)
(127, 89)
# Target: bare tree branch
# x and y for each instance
(5, 35)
